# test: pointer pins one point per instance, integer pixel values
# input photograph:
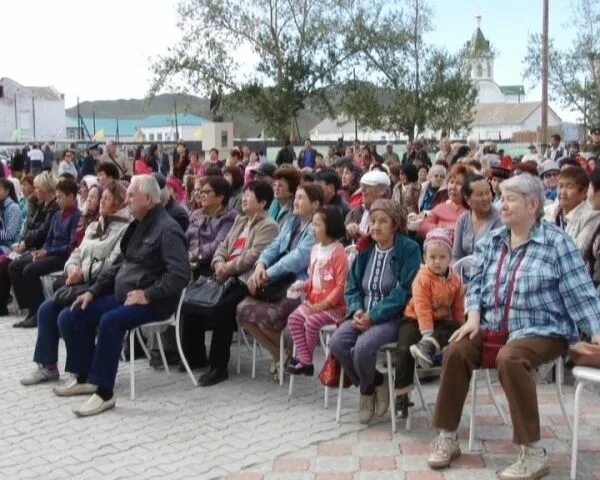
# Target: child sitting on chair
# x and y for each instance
(435, 310)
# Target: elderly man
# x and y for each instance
(116, 158)
(445, 154)
(374, 185)
(390, 157)
(142, 286)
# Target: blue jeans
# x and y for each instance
(357, 350)
(48, 335)
(97, 359)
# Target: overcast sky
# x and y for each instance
(100, 49)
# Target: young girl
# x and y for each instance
(435, 310)
(324, 289)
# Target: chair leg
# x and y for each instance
(239, 346)
(138, 334)
(338, 412)
(419, 389)
(499, 408)
(575, 441)
(559, 383)
(180, 347)
(473, 410)
(326, 348)
(390, 374)
(281, 359)
(161, 350)
(131, 365)
(254, 358)
(292, 377)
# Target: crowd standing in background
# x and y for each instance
(350, 237)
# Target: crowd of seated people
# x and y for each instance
(357, 240)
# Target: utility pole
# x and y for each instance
(33, 114)
(78, 120)
(355, 114)
(16, 115)
(585, 88)
(544, 141)
(176, 124)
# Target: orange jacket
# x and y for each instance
(436, 298)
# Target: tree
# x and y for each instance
(298, 54)
(416, 85)
(574, 72)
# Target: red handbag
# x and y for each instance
(494, 340)
(330, 373)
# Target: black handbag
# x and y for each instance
(275, 291)
(67, 294)
(205, 294)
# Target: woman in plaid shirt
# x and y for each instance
(529, 278)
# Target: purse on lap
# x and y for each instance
(205, 294)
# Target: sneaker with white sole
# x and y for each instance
(94, 405)
(531, 464)
(73, 388)
(366, 408)
(425, 351)
(40, 375)
(382, 398)
(444, 449)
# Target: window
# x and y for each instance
(479, 71)
(151, 137)
(159, 137)
(489, 70)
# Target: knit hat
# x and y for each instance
(393, 209)
(439, 235)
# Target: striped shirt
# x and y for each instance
(553, 292)
(379, 277)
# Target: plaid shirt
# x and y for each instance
(553, 294)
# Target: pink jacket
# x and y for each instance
(333, 278)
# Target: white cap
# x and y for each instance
(374, 178)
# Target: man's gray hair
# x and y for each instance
(528, 186)
(437, 168)
(147, 185)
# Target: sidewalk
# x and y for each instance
(244, 429)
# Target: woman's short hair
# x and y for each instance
(436, 169)
(27, 179)
(333, 220)
(314, 192)
(220, 186)
(577, 175)
(467, 188)
(460, 169)
(68, 187)
(109, 170)
(10, 187)
(528, 186)
(290, 175)
(237, 179)
(119, 193)
(148, 185)
(45, 181)
(410, 172)
(262, 191)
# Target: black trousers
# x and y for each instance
(221, 320)
(4, 285)
(25, 276)
(408, 335)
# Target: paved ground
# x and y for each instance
(243, 429)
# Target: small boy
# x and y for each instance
(435, 310)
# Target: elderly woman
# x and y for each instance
(98, 250)
(478, 220)
(287, 257)
(11, 216)
(408, 190)
(286, 180)
(378, 287)
(433, 192)
(446, 214)
(528, 279)
(235, 257)
(209, 226)
(86, 183)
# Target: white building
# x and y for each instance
(30, 113)
(330, 130)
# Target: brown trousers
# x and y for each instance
(516, 364)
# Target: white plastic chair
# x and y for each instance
(136, 332)
(388, 349)
(583, 375)
(324, 336)
(48, 282)
(256, 347)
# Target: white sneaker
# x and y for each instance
(94, 405)
(531, 464)
(366, 408)
(73, 388)
(444, 449)
(39, 375)
(382, 398)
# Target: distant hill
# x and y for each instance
(245, 126)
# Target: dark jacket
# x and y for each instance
(88, 166)
(341, 204)
(38, 225)
(17, 162)
(153, 258)
(406, 261)
(285, 155)
(59, 241)
(206, 233)
(179, 213)
(165, 165)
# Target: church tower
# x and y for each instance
(480, 56)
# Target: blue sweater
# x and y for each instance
(60, 236)
(11, 225)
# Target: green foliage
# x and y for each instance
(573, 73)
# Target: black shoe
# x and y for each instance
(213, 376)
(299, 369)
(28, 322)
(402, 404)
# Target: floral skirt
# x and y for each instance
(269, 316)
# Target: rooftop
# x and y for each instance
(478, 44)
(128, 126)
